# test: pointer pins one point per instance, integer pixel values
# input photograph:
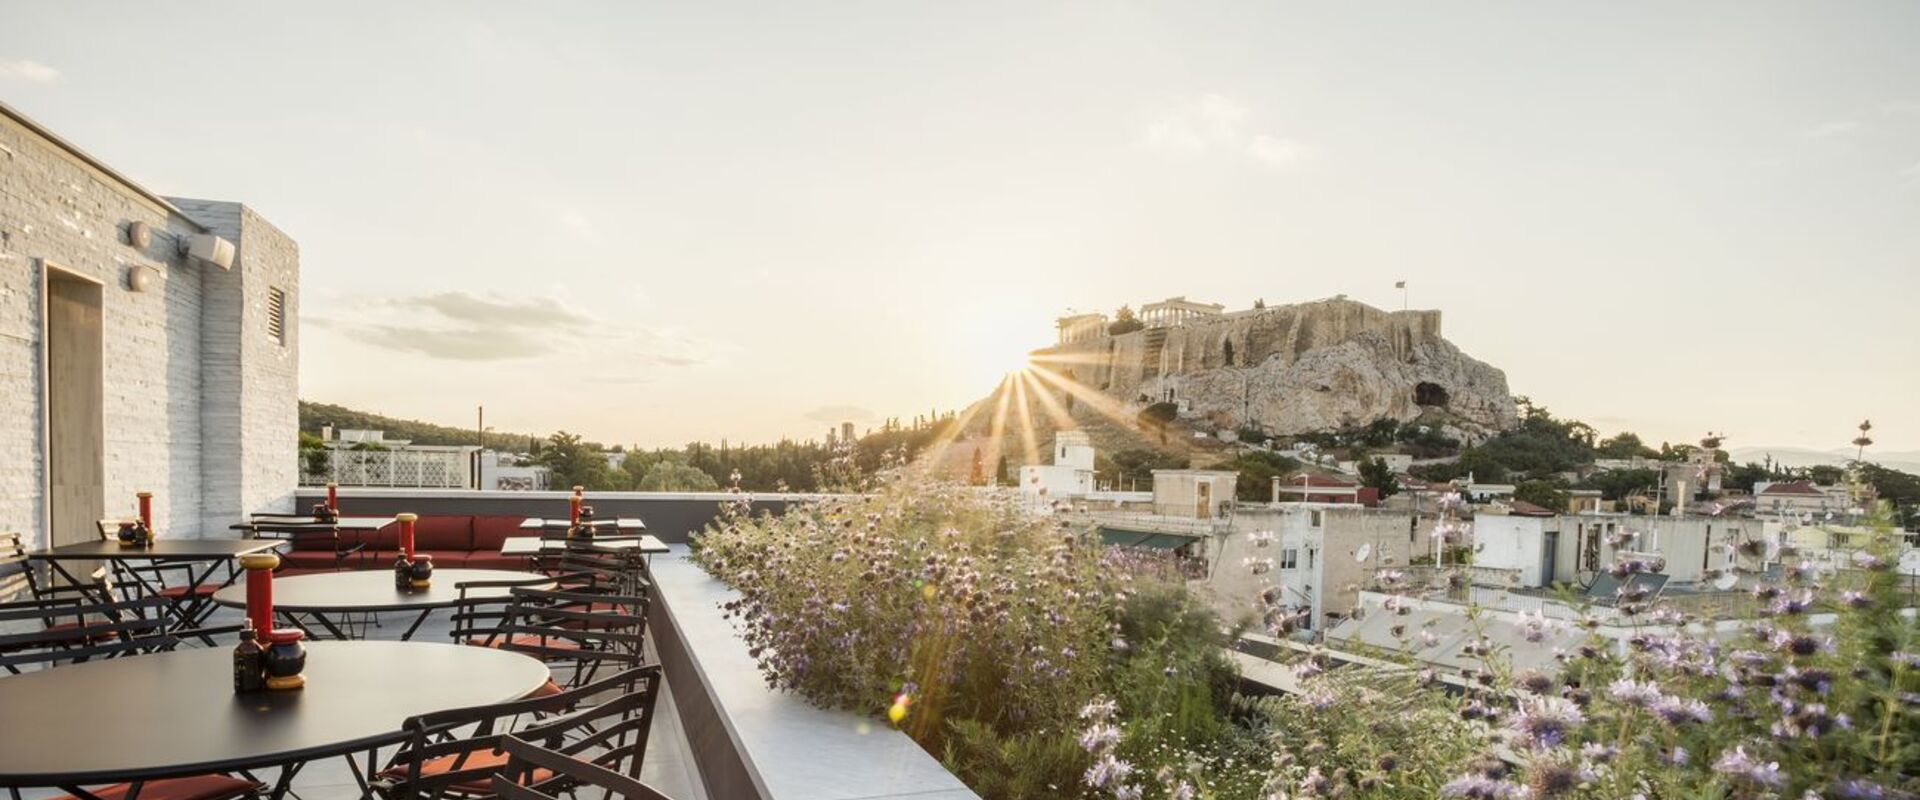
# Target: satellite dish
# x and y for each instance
(1365, 552)
(1725, 581)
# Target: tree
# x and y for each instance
(673, 476)
(1257, 470)
(1135, 467)
(1124, 321)
(314, 459)
(1618, 484)
(574, 462)
(1375, 473)
(1550, 495)
(1626, 444)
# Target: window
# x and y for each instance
(1310, 553)
(277, 316)
(1289, 558)
(1314, 518)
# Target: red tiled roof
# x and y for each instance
(1792, 487)
(1522, 508)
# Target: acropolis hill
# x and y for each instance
(1288, 370)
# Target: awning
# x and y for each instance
(1162, 541)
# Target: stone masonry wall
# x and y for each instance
(248, 398)
(57, 210)
(200, 404)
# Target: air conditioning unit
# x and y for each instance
(211, 249)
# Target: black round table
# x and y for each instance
(321, 596)
(172, 714)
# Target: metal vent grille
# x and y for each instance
(277, 316)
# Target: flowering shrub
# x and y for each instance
(985, 630)
(1040, 664)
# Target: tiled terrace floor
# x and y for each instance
(668, 767)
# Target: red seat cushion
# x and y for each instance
(490, 760)
(526, 640)
(196, 590)
(444, 559)
(443, 533)
(491, 531)
(199, 787)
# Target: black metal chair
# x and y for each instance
(302, 535)
(584, 631)
(526, 760)
(74, 629)
(18, 575)
(456, 753)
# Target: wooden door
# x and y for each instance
(75, 403)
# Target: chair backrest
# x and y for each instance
(526, 759)
(80, 628)
(458, 741)
(582, 627)
(16, 573)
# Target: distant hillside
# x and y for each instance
(1807, 457)
(313, 415)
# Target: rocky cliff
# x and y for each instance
(1296, 369)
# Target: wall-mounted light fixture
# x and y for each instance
(141, 276)
(138, 236)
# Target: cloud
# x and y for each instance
(528, 313)
(28, 70)
(838, 414)
(1841, 127)
(1274, 151)
(468, 344)
(1214, 123)
(460, 326)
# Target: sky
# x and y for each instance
(656, 224)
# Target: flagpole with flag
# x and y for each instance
(1402, 286)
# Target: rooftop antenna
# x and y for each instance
(1402, 286)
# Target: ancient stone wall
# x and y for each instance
(1297, 369)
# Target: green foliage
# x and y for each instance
(1011, 766)
(674, 476)
(1902, 489)
(1135, 467)
(1375, 473)
(1621, 483)
(1624, 445)
(1124, 321)
(1550, 495)
(1257, 470)
(575, 462)
(313, 415)
(999, 626)
(314, 459)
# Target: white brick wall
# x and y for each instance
(55, 208)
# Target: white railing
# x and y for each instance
(416, 469)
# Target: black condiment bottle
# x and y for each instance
(249, 661)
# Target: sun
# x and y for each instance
(995, 346)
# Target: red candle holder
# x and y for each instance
(333, 496)
(573, 503)
(285, 656)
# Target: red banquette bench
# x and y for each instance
(453, 541)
